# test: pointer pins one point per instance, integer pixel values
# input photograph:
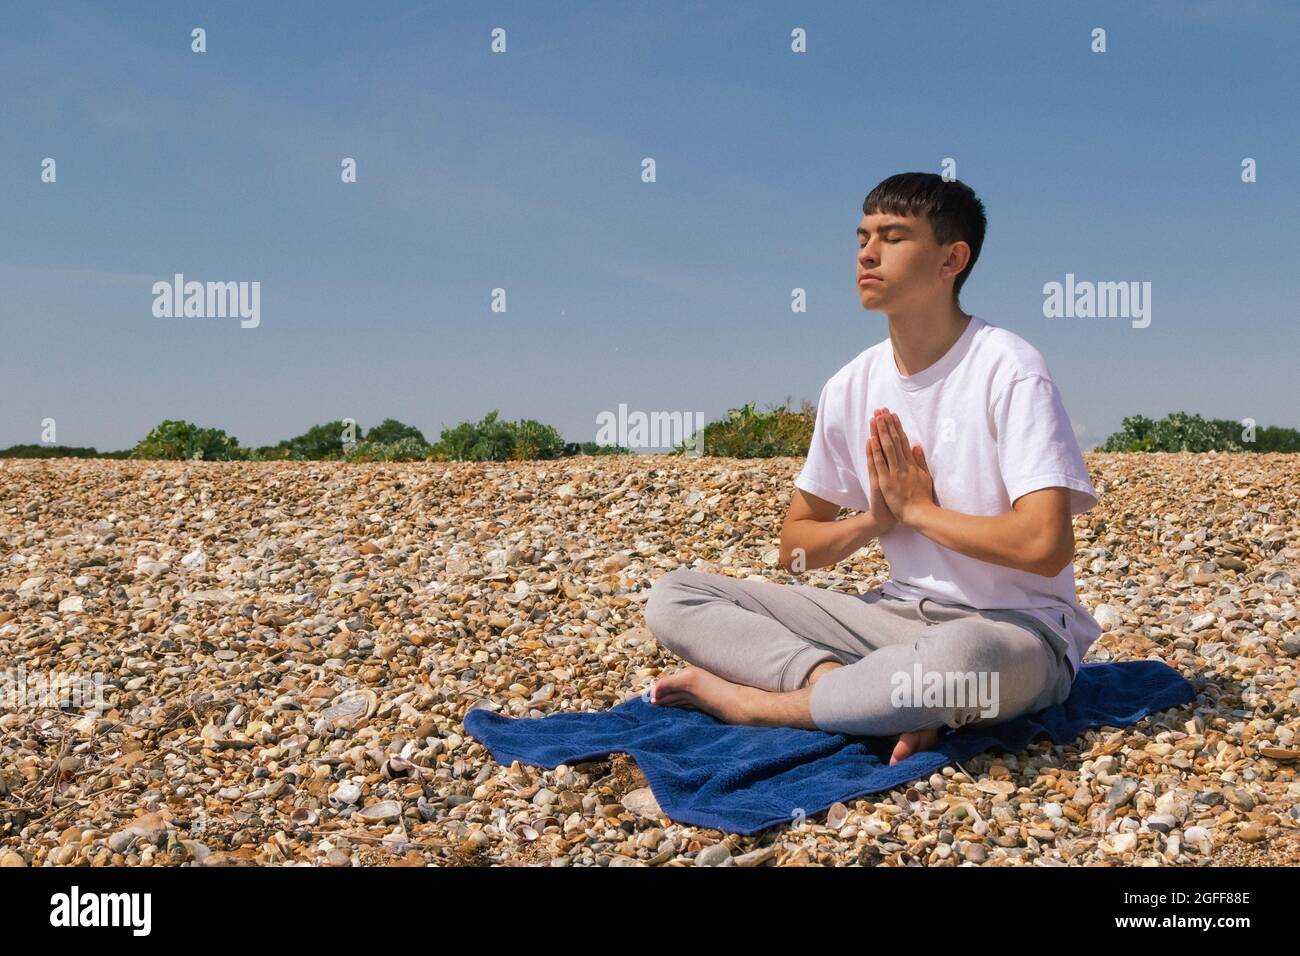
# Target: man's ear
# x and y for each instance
(961, 249)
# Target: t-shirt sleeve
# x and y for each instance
(1037, 447)
(828, 472)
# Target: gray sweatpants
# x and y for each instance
(909, 664)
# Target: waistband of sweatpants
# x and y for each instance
(1058, 642)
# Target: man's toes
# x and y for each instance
(673, 688)
(913, 742)
(675, 679)
(681, 682)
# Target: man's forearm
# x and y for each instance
(1010, 540)
(812, 544)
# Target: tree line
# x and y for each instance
(745, 432)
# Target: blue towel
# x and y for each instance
(743, 779)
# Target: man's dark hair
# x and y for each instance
(951, 206)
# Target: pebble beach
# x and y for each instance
(284, 652)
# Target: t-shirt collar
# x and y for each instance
(939, 369)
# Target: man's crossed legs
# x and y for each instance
(793, 655)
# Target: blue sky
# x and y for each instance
(522, 171)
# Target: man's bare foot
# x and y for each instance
(697, 689)
(914, 742)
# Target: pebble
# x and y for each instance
(1118, 843)
(1160, 822)
(714, 855)
(836, 815)
(1251, 833)
(380, 812)
(350, 706)
(1173, 804)
(346, 793)
(1107, 616)
(755, 857)
(1121, 793)
(642, 802)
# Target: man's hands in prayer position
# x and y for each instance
(900, 479)
(1036, 535)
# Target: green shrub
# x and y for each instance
(48, 451)
(183, 441)
(1273, 438)
(390, 430)
(488, 440)
(746, 433)
(320, 442)
(533, 441)
(278, 452)
(404, 449)
(591, 448)
(495, 440)
(1180, 431)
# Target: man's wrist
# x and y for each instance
(919, 515)
(873, 527)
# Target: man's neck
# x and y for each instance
(922, 338)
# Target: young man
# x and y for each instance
(951, 442)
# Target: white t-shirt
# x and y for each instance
(992, 425)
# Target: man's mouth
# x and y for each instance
(867, 279)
